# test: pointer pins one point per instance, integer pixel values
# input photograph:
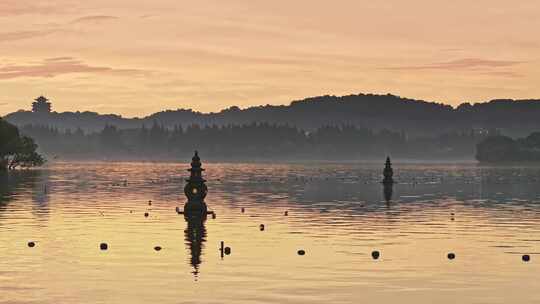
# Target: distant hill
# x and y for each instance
(415, 117)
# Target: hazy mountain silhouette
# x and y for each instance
(415, 117)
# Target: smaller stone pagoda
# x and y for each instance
(388, 173)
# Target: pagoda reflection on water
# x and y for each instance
(195, 237)
(195, 212)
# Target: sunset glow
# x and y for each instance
(138, 57)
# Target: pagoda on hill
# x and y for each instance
(41, 105)
(195, 190)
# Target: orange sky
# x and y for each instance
(136, 57)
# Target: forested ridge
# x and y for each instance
(353, 127)
(415, 117)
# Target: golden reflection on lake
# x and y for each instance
(337, 213)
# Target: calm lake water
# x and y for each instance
(337, 213)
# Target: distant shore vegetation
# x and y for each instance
(504, 149)
(256, 141)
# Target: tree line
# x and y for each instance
(498, 149)
(254, 141)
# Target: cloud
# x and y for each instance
(96, 19)
(56, 59)
(30, 34)
(508, 74)
(53, 67)
(20, 7)
(461, 64)
(21, 35)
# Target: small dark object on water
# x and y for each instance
(452, 219)
(130, 211)
(451, 256)
(157, 248)
(146, 214)
(301, 252)
(375, 255)
(261, 227)
(227, 250)
(221, 248)
(103, 246)
(213, 215)
(243, 210)
(31, 244)
(286, 213)
(526, 258)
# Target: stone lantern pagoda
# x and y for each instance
(195, 190)
(388, 173)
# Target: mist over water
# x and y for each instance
(337, 213)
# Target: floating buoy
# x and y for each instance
(451, 256)
(301, 252)
(286, 213)
(261, 227)
(157, 248)
(243, 210)
(375, 255)
(150, 203)
(31, 244)
(227, 250)
(526, 258)
(146, 214)
(103, 246)
(130, 211)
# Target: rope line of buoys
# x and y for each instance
(375, 254)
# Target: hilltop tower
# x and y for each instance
(195, 190)
(388, 173)
(41, 105)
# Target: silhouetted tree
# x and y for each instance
(16, 150)
(111, 140)
(496, 149)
